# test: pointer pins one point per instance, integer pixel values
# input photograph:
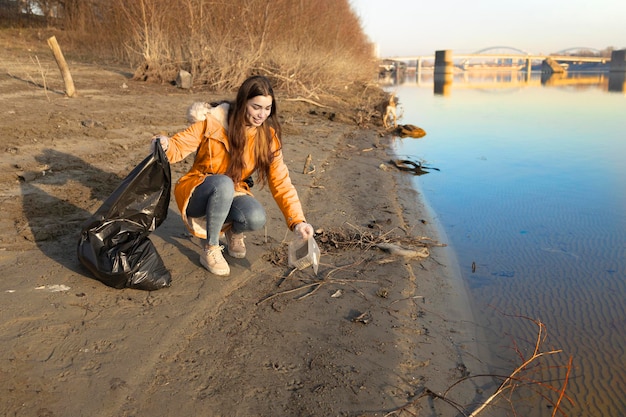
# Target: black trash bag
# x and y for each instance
(114, 243)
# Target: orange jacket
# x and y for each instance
(209, 140)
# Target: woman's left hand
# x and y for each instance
(304, 230)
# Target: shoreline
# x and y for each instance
(460, 306)
(450, 260)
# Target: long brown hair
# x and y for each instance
(252, 87)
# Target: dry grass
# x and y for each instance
(309, 48)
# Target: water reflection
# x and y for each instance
(617, 82)
(444, 84)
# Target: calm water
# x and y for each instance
(532, 191)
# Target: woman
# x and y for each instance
(236, 140)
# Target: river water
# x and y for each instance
(531, 196)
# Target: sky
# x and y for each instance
(420, 27)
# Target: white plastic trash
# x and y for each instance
(304, 253)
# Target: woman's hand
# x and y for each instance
(304, 230)
(164, 140)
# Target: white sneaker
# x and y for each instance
(236, 245)
(213, 260)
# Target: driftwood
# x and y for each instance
(409, 131)
(309, 168)
(70, 91)
(400, 251)
(411, 166)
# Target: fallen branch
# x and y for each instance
(562, 391)
(426, 393)
(307, 100)
(400, 251)
(318, 284)
(510, 383)
(292, 80)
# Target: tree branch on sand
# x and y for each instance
(306, 100)
(355, 238)
(521, 377)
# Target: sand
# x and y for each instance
(366, 336)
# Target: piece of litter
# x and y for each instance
(53, 288)
(337, 294)
(11, 291)
(362, 318)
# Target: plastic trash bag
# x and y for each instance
(114, 243)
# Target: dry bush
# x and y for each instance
(308, 47)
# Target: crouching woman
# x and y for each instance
(235, 141)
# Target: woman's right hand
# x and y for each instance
(163, 139)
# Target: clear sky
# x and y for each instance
(420, 27)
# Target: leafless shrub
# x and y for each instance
(308, 48)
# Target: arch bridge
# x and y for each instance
(509, 57)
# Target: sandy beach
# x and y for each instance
(366, 336)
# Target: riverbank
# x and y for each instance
(364, 337)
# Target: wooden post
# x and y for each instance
(65, 71)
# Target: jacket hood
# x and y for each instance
(198, 111)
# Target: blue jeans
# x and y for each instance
(215, 199)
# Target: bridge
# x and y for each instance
(444, 66)
(494, 57)
(511, 58)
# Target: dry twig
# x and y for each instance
(520, 377)
(318, 284)
(306, 100)
(512, 381)
(43, 77)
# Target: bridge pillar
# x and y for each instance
(443, 62)
(529, 69)
(618, 61)
(529, 65)
(418, 70)
(617, 71)
(443, 74)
